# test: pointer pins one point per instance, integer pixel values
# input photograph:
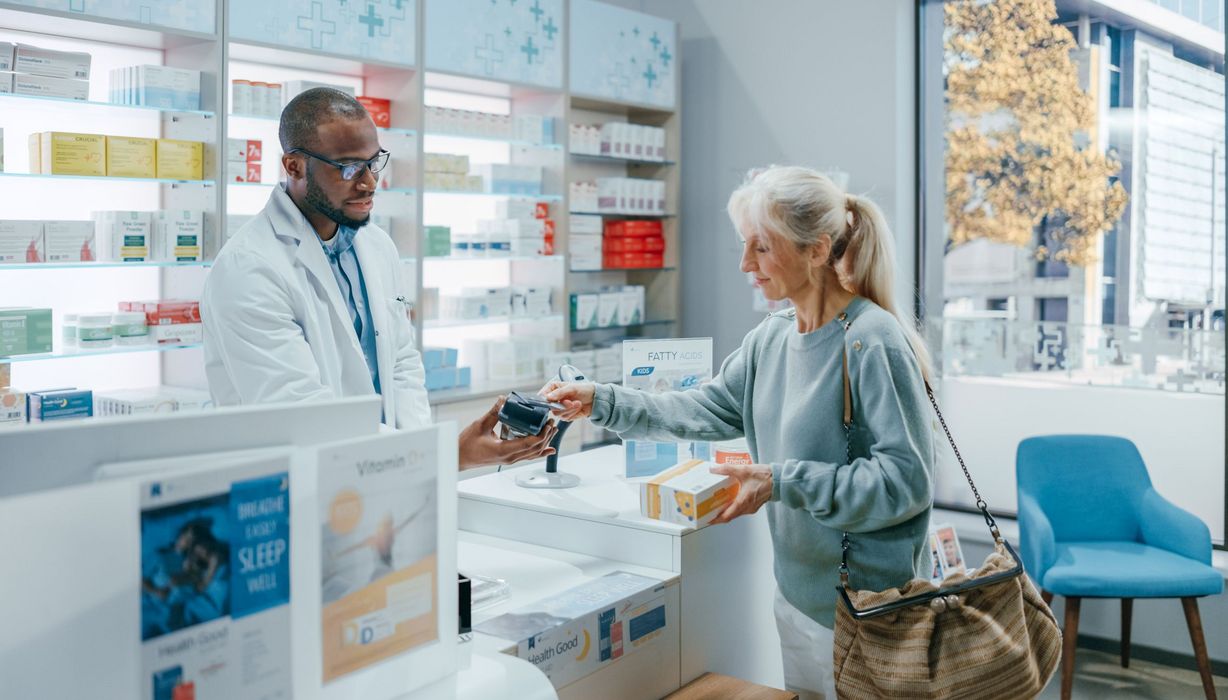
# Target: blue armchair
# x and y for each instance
(1092, 526)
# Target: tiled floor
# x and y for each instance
(1099, 675)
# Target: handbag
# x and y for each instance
(985, 635)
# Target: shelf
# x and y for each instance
(86, 104)
(113, 350)
(277, 120)
(266, 53)
(439, 324)
(623, 269)
(99, 264)
(76, 25)
(532, 197)
(623, 215)
(103, 178)
(494, 139)
(617, 328)
(604, 104)
(616, 159)
(387, 190)
(509, 258)
(483, 390)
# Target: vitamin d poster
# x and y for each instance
(215, 584)
(659, 366)
(378, 522)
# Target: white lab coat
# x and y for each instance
(277, 328)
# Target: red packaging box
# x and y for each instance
(633, 228)
(542, 210)
(632, 261)
(379, 109)
(548, 237)
(622, 244)
(171, 311)
(654, 244)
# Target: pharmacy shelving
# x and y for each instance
(84, 107)
(594, 158)
(491, 321)
(623, 215)
(494, 140)
(101, 265)
(74, 353)
(623, 270)
(106, 178)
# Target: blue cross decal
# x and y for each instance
(529, 49)
(537, 11)
(656, 43)
(666, 56)
(636, 31)
(650, 76)
(550, 29)
(508, 32)
(317, 25)
(489, 54)
(372, 20)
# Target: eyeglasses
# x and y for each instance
(350, 169)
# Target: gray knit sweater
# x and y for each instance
(783, 390)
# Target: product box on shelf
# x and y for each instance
(607, 308)
(6, 83)
(244, 150)
(170, 320)
(633, 261)
(180, 160)
(69, 241)
(54, 64)
(634, 229)
(436, 357)
(237, 171)
(12, 408)
(46, 86)
(522, 209)
(24, 331)
(166, 87)
(22, 242)
(6, 56)
(134, 402)
(631, 306)
(241, 97)
(585, 252)
(437, 241)
(446, 163)
(178, 235)
(292, 88)
(588, 224)
(379, 109)
(6, 375)
(131, 157)
(59, 404)
(687, 494)
(123, 236)
(585, 310)
(63, 153)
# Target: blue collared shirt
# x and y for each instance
(344, 262)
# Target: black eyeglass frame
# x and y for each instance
(353, 169)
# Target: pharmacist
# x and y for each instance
(306, 302)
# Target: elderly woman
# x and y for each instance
(831, 255)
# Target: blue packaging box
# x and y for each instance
(59, 404)
(463, 377)
(438, 357)
(440, 378)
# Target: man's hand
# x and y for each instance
(479, 446)
(754, 489)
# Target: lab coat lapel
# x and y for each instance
(288, 221)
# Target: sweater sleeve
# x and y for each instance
(891, 485)
(710, 412)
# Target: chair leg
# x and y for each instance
(1194, 622)
(1047, 597)
(1070, 637)
(1127, 613)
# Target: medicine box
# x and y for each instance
(178, 235)
(437, 357)
(6, 56)
(244, 150)
(165, 87)
(379, 109)
(243, 171)
(440, 378)
(292, 88)
(6, 83)
(24, 331)
(132, 402)
(69, 241)
(584, 311)
(123, 236)
(46, 86)
(607, 309)
(131, 157)
(54, 64)
(22, 242)
(59, 404)
(12, 408)
(438, 241)
(687, 494)
(63, 153)
(180, 160)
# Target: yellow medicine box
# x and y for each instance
(131, 157)
(180, 160)
(687, 494)
(62, 153)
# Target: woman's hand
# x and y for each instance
(576, 398)
(754, 489)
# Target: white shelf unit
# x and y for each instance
(407, 204)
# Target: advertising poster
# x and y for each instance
(215, 584)
(659, 366)
(378, 568)
(584, 628)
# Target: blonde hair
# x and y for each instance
(801, 205)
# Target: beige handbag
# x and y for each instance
(988, 635)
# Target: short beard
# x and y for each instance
(319, 201)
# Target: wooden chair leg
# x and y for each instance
(1047, 596)
(1127, 613)
(1194, 622)
(1070, 637)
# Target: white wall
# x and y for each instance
(826, 84)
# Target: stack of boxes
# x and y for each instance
(243, 158)
(633, 245)
(442, 371)
(156, 86)
(29, 70)
(478, 303)
(585, 242)
(24, 331)
(602, 363)
(161, 399)
(609, 307)
(449, 173)
(514, 360)
(176, 235)
(170, 321)
(619, 195)
(62, 153)
(534, 129)
(507, 178)
(252, 98)
(618, 140)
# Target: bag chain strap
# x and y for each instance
(981, 505)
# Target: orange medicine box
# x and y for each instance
(687, 494)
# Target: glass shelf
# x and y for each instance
(508, 258)
(617, 328)
(63, 354)
(276, 120)
(623, 215)
(387, 190)
(104, 105)
(532, 197)
(100, 264)
(432, 325)
(103, 178)
(494, 139)
(624, 269)
(617, 159)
